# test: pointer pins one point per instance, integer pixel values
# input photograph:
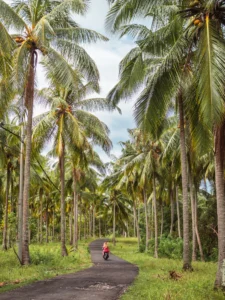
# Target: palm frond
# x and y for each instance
(79, 58)
(10, 18)
(210, 73)
(79, 35)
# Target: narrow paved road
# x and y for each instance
(105, 280)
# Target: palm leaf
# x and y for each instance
(210, 73)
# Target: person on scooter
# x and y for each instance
(105, 251)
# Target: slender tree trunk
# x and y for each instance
(93, 219)
(162, 219)
(75, 237)
(71, 225)
(12, 210)
(53, 224)
(47, 223)
(155, 218)
(63, 221)
(220, 196)
(90, 222)
(38, 231)
(172, 212)
(41, 214)
(146, 219)
(138, 213)
(137, 225)
(134, 223)
(29, 99)
(150, 221)
(80, 227)
(114, 222)
(13, 205)
(20, 200)
(194, 245)
(186, 250)
(196, 226)
(99, 224)
(178, 213)
(5, 229)
(85, 223)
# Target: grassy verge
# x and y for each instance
(47, 262)
(153, 281)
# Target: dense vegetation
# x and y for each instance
(155, 280)
(174, 158)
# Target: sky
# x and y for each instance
(107, 56)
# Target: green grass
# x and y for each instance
(153, 281)
(47, 262)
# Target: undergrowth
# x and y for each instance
(46, 262)
(154, 283)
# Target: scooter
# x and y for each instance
(105, 255)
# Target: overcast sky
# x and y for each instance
(107, 56)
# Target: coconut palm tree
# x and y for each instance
(45, 30)
(163, 74)
(207, 21)
(9, 162)
(71, 127)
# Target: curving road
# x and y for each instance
(105, 280)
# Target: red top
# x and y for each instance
(105, 249)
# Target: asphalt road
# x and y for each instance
(105, 280)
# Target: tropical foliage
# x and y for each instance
(167, 187)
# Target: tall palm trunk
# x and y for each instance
(85, 226)
(134, 224)
(63, 223)
(150, 221)
(146, 219)
(172, 212)
(47, 222)
(114, 222)
(196, 226)
(137, 224)
(186, 250)
(178, 212)
(90, 222)
(220, 196)
(155, 218)
(71, 225)
(29, 99)
(41, 214)
(75, 206)
(20, 200)
(162, 219)
(80, 223)
(99, 224)
(93, 219)
(53, 224)
(194, 244)
(5, 229)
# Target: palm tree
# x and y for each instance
(71, 127)
(208, 23)
(44, 30)
(163, 82)
(10, 149)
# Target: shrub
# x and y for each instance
(168, 247)
(41, 257)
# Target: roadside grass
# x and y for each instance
(154, 283)
(47, 262)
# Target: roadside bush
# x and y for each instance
(168, 247)
(41, 257)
